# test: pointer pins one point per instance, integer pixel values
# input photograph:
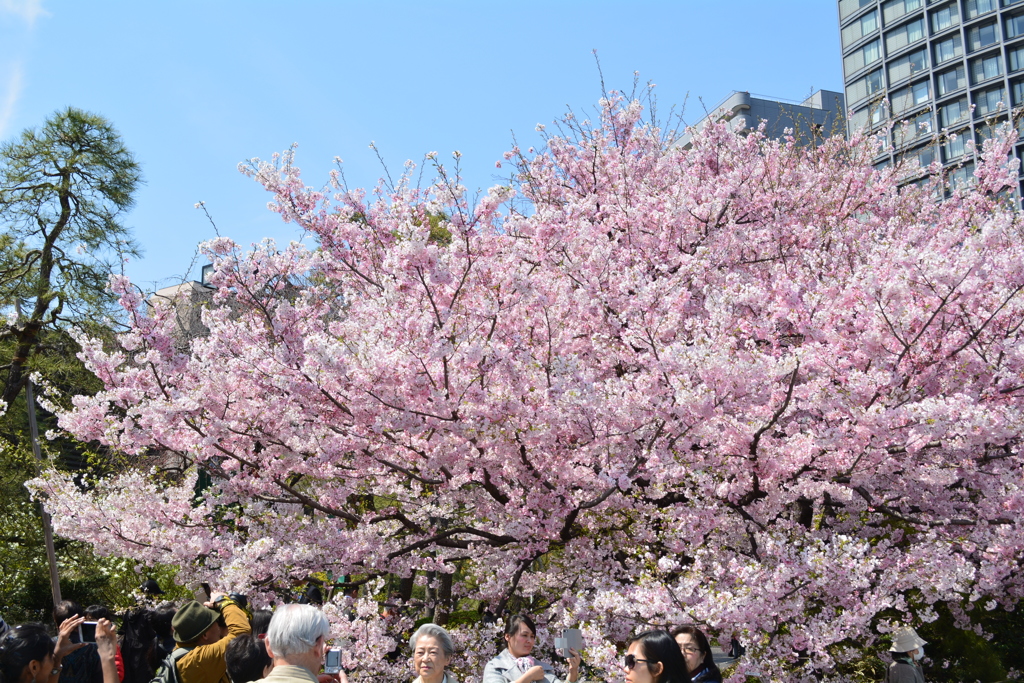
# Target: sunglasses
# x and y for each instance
(630, 661)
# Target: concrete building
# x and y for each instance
(928, 63)
(819, 114)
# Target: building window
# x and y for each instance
(954, 113)
(947, 17)
(975, 8)
(848, 7)
(1016, 58)
(904, 35)
(961, 177)
(907, 66)
(894, 9)
(907, 98)
(986, 68)
(869, 117)
(919, 126)
(989, 101)
(865, 87)
(861, 27)
(954, 148)
(987, 132)
(951, 81)
(1014, 26)
(1017, 88)
(979, 37)
(948, 49)
(924, 155)
(858, 59)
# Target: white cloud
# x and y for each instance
(10, 99)
(29, 10)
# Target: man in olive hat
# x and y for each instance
(205, 631)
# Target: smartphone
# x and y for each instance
(572, 639)
(87, 632)
(201, 591)
(332, 662)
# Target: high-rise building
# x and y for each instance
(950, 66)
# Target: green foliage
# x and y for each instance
(960, 655)
(62, 191)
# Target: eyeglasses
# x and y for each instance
(630, 661)
(689, 649)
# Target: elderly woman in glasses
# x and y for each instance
(653, 657)
(432, 651)
(697, 652)
(515, 665)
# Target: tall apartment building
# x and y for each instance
(926, 63)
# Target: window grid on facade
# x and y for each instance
(949, 49)
(988, 102)
(908, 65)
(951, 81)
(860, 27)
(1015, 59)
(986, 68)
(895, 9)
(863, 56)
(947, 68)
(954, 147)
(1014, 26)
(944, 18)
(975, 8)
(980, 37)
(908, 34)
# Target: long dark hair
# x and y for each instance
(659, 648)
(24, 644)
(707, 659)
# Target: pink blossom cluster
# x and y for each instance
(761, 387)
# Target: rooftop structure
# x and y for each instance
(819, 114)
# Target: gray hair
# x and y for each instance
(434, 631)
(294, 629)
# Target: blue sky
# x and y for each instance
(196, 87)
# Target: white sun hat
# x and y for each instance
(905, 640)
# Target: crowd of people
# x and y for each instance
(219, 642)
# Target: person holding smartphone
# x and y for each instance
(29, 655)
(297, 640)
(515, 663)
(80, 664)
(205, 632)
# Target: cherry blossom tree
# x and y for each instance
(765, 388)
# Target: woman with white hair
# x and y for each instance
(432, 651)
(907, 649)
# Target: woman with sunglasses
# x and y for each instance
(515, 665)
(697, 653)
(653, 657)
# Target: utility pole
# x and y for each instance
(47, 530)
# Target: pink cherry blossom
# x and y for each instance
(764, 388)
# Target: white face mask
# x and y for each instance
(920, 653)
